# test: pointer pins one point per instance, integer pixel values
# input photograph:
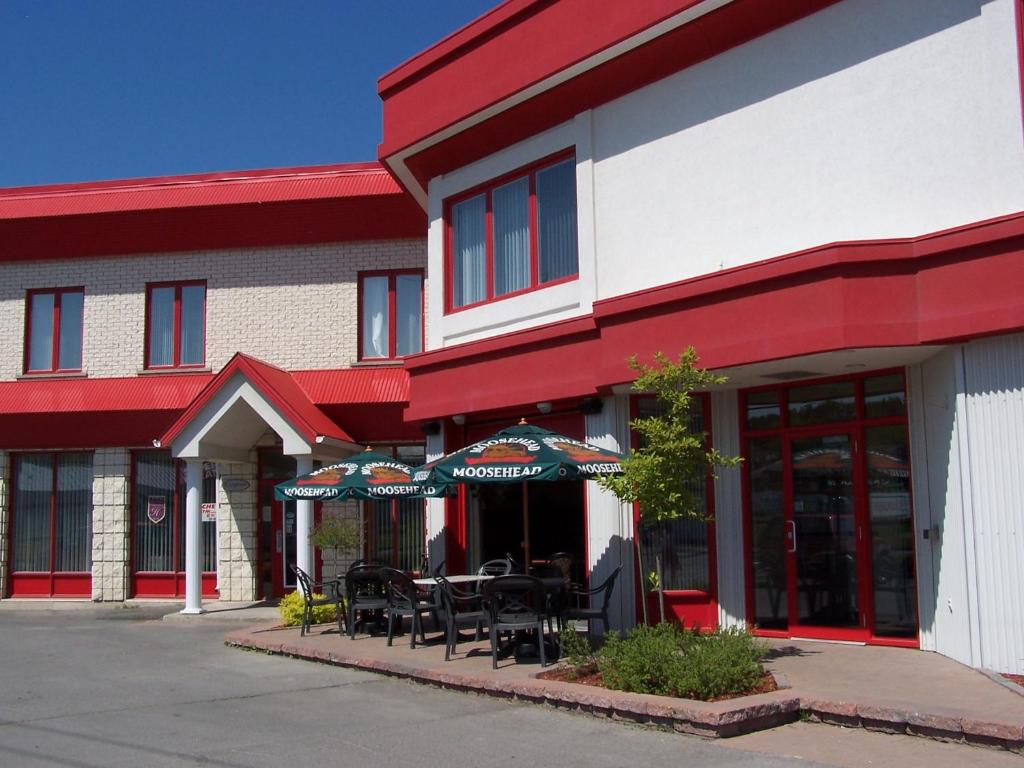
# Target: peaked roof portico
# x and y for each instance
(240, 403)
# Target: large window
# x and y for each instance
(52, 520)
(390, 314)
(159, 514)
(514, 234)
(53, 333)
(685, 545)
(175, 325)
(394, 529)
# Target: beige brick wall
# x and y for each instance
(111, 522)
(237, 512)
(291, 306)
(5, 480)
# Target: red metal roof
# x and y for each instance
(231, 188)
(132, 411)
(355, 385)
(284, 206)
(137, 393)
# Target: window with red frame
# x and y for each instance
(514, 234)
(685, 545)
(53, 332)
(175, 325)
(394, 528)
(390, 314)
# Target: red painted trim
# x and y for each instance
(392, 275)
(437, 97)
(176, 325)
(943, 287)
(529, 172)
(58, 296)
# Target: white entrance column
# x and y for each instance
(193, 541)
(304, 521)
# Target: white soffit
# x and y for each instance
(233, 421)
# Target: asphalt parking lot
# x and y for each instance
(119, 687)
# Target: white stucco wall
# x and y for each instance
(869, 119)
(291, 306)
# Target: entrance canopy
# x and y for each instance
(248, 396)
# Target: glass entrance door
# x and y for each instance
(822, 533)
(829, 510)
(277, 526)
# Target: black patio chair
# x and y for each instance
(405, 599)
(499, 567)
(460, 608)
(309, 588)
(515, 603)
(365, 594)
(575, 610)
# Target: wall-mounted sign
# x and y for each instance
(209, 512)
(156, 509)
(235, 484)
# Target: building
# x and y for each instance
(214, 333)
(825, 198)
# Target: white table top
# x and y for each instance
(458, 578)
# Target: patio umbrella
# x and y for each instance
(523, 453)
(367, 475)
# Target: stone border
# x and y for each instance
(717, 720)
(944, 727)
(722, 719)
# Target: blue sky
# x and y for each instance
(100, 89)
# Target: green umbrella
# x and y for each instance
(523, 453)
(367, 475)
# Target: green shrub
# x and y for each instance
(290, 609)
(649, 660)
(724, 662)
(667, 660)
(576, 650)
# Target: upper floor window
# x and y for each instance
(514, 234)
(175, 324)
(390, 314)
(53, 330)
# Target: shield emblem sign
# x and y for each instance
(156, 509)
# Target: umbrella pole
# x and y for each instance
(526, 526)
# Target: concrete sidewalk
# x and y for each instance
(884, 689)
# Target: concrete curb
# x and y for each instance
(936, 724)
(715, 720)
(723, 719)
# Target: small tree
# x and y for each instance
(336, 534)
(672, 460)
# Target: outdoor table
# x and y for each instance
(458, 578)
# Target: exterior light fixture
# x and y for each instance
(459, 418)
(544, 407)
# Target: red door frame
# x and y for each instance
(165, 583)
(855, 428)
(688, 607)
(277, 586)
(70, 584)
